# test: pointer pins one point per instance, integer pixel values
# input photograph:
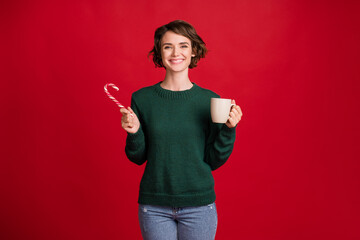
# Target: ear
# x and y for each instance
(193, 54)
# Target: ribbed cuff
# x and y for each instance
(135, 138)
(227, 129)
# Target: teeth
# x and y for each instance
(176, 61)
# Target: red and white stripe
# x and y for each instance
(110, 96)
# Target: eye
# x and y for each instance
(184, 46)
(167, 47)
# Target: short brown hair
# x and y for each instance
(185, 29)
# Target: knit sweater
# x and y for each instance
(180, 144)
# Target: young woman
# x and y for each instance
(169, 126)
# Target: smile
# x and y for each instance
(175, 61)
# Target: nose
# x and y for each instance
(175, 51)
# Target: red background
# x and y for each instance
(293, 67)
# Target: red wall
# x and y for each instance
(293, 66)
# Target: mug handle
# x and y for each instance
(231, 107)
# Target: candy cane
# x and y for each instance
(111, 97)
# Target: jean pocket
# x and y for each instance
(211, 205)
(143, 208)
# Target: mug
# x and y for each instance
(220, 109)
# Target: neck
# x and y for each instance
(176, 81)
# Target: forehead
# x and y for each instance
(174, 38)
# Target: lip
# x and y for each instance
(176, 61)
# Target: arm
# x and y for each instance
(220, 142)
(219, 145)
(135, 141)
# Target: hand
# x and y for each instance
(129, 120)
(235, 115)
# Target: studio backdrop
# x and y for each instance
(292, 66)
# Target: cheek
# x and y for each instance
(164, 54)
(163, 58)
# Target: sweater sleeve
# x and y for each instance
(135, 148)
(219, 145)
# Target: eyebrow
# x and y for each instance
(181, 43)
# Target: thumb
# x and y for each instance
(124, 111)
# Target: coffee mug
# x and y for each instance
(220, 109)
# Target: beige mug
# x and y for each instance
(220, 109)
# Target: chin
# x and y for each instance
(175, 69)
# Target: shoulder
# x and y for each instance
(208, 93)
(143, 92)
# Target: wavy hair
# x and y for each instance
(182, 28)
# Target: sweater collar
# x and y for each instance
(164, 93)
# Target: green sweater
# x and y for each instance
(180, 144)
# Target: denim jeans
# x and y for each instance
(185, 223)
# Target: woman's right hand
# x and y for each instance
(129, 120)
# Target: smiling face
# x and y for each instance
(176, 52)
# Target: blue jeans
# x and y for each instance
(186, 223)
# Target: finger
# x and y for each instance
(239, 109)
(124, 111)
(235, 111)
(127, 126)
(131, 111)
(124, 121)
(232, 122)
(125, 118)
(124, 125)
(232, 115)
(233, 105)
(237, 116)
(128, 118)
(238, 119)
(234, 119)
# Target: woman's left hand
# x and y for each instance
(235, 115)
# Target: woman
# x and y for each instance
(169, 126)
